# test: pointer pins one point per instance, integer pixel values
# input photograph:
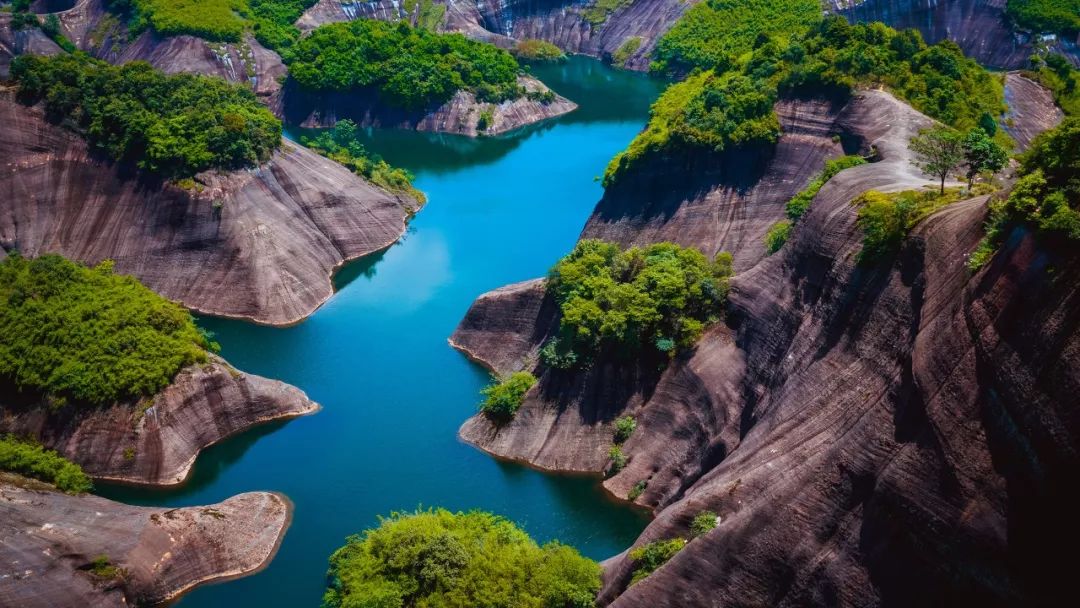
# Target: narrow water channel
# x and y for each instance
(375, 356)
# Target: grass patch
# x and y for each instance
(648, 558)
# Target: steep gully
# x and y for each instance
(897, 434)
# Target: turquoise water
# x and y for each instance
(375, 356)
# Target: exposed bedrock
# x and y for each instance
(978, 26)
(258, 244)
(155, 440)
(900, 433)
(15, 43)
(461, 115)
(51, 540)
(1031, 109)
(105, 36)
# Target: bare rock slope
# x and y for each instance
(51, 540)
(155, 441)
(257, 244)
(898, 433)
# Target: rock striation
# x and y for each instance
(978, 26)
(155, 441)
(258, 244)
(462, 115)
(1031, 109)
(895, 433)
(51, 540)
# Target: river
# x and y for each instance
(393, 392)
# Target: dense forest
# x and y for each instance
(173, 126)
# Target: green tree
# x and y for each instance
(938, 151)
(982, 154)
(32, 460)
(502, 398)
(457, 560)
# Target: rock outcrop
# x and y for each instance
(155, 441)
(978, 26)
(153, 554)
(462, 115)
(892, 433)
(258, 245)
(1031, 109)
(14, 43)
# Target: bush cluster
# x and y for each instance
(886, 218)
(538, 51)
(1048, 191)
(32, 460)
(174, 126)
(647, 558)
(659, 297)
(407, 67)
(342, 144)
(1057, 74)
(87, 333)
(730, 104)
(439, 558)
(502, 398)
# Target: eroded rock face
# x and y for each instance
(1031, 109)
(462, 115)
(895, 433)
(50, 540)
(978, 26)
(15, 43)
(259, 244)
(155, 440)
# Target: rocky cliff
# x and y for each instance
(155, 440)
(15, 43)
(978, 26)
(257, 244)
(153, 555)
(461, 115)
(899, 433)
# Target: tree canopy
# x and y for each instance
(407, 67)
(729, 102)
(1045, 16)
(174, 126)
(86, 333)
(938, 151)
(342, 144)
(32, 460)
(1048, 193)
(659, 297)
(436, 558)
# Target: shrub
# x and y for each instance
(702, 523)
(618, 459)
(637, 298)
(538, 51)
(407, 67)
(101, 567)
(439, 558)
(87, 333)
(502, 398)
(1058, 75)
(648, 558)
(777, 236)
(800, 203)
(636, 491)
(342, 144)
(32, 460)
(886, 219)
(485, 120)
(624, 428)
(558, 354)
(625, 50)
(174, 126)
(597, 13)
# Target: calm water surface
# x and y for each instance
(375, 356)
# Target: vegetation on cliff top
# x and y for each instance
(89, 334)
(271, 21)
(504, 397)
(1057, 74)
(174, 126)
(658, 298)
(1045, 16)
(407, 67)
(31, 460)
(1047, 195)
(342, 144)
(721, 107)
(648, 558)
(438, 558)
